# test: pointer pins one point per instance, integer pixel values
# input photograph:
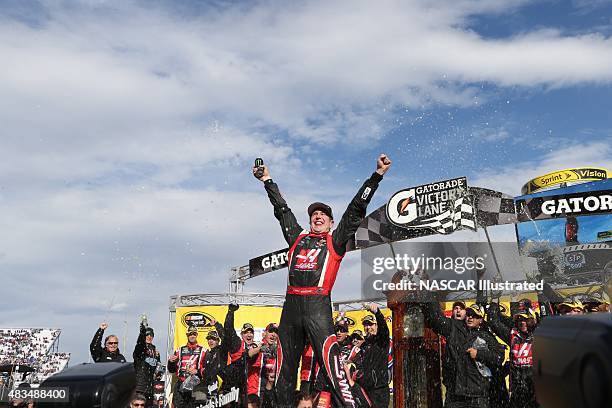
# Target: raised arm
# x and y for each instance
(382, 335)
(231, 342)
(438, 322)
(289, 225)
(356, 210)
(139, 349)
(95, 347)
(500, 329)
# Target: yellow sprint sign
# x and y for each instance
(565, 176)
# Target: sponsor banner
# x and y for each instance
(589, 259)
(604, 235)
(564, 176)
(268, 262)
(202, 316)
(492, 208)
(443, 207)
(564, 205)
(222, 400)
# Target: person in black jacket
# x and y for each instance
(110, 352)
(314, 260)
(214, 360)
(473, 353)
(371, 361)
(519, 337)
(146, 358)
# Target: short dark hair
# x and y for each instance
(253, 399)
(303, 396)
(138, 397)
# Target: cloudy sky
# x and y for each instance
(129, 129)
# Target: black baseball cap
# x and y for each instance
(272, 328)
(459, 303)
(247, 327)
(320, 206)
(212, 335)
(192, 329)
(149, 332)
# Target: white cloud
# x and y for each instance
(128, 130)
(510, 179)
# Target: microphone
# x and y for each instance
(260, 170)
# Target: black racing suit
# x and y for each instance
(146, 358)
(213, 363)
(468, 387)
(102, 355)
(371, 362)
(522, 388)
(314, 260)
(234, 374)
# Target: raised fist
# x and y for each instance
(104, 326)
(233, 307)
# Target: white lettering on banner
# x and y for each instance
(273, 261)
(577, 204)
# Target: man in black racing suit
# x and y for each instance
(371, 361)
(314, 259)
(146, 358)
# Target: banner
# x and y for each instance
(268, 262)
(491, 208)
(564, 176)
(443, 206)
(565, 205)
(202, 316)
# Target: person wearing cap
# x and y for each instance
(110, 352)
(519, 337)
(371, 361)
(344, 341)
(570, 307)
(213, 361)
(314, 259)
(473, 352)
(185, 362)
(146, 358)
(234, 374)
(262, 358)
(357, 339)
(458, 310)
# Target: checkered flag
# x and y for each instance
(490, 208)
(461, 215)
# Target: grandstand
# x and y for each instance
(32, 347)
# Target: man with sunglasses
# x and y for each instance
(139, 401)
(314, 260)
(371, 361)
(473, 353)
(110, 352)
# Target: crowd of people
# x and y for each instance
(27, 355)
(475, 337)
(26, 346)
(236, 361)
